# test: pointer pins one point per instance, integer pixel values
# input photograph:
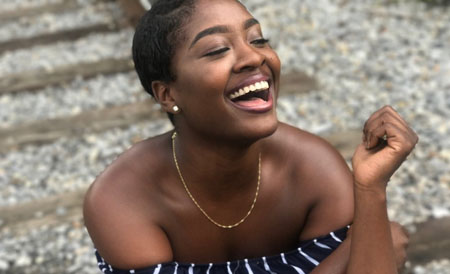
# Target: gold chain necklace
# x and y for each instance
(196, 203)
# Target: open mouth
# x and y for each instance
(251, 95)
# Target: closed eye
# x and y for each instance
(216, 52)
(261, 41)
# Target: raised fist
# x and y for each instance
(387, 141)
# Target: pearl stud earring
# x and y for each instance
(176, 108)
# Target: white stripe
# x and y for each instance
(191, 269)
(248, 267)
(157, 269)
(335, 238)
(321, 245)
(104, 270)
(299, 270)
(176, 268)
(266, 266)
(316, 263)
(228, 267)
(210, 265)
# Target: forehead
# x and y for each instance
(209, 13)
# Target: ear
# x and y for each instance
(163, 94)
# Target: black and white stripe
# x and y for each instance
(300, 261)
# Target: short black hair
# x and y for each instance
(158, 34)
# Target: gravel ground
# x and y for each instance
(437, 267)
(60, 249)
(70, 99)
(365, 54)
(51, 23)
(8, 5)
(88, 49)
(67, 164)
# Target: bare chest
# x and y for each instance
(274, 226)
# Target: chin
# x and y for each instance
(259, 130)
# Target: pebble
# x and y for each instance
(4, 265)
(23, 261)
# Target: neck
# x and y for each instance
(215, 167)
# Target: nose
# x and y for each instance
(248, 57)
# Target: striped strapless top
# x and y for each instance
(304, 259)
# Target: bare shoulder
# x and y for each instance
(121, 212)
(307, 152)
(322, 175)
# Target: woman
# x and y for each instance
(231, 189)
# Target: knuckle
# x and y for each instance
(388, 108)
(411, 145)
(406, 243)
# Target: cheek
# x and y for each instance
(212, 79)
(203, 83)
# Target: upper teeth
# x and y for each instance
(252, 88)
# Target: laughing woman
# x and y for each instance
(231, 189)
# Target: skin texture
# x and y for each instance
(138, 213)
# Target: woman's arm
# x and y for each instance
(372, 250)
(337, 262)
(386, 143)
(370, 245)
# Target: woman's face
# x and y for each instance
(227, 74)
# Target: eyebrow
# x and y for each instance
(221, 29)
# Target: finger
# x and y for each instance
(388, 117)
(384, 117)
(385, 132)
(403, 236)
(405, 231)
(386, 109)
(385, 112)
(399, 140)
